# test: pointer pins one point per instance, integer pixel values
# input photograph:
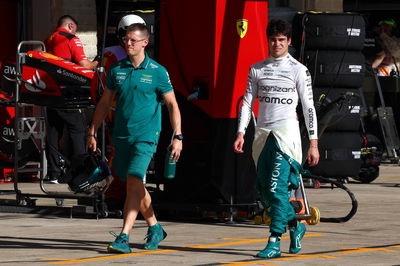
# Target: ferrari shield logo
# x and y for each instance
(241, 27)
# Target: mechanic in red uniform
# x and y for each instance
(65, 44)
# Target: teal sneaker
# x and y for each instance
(155, 234)
(296, 235)
(120, 245)
(272, 250)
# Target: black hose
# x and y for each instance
(354, 202)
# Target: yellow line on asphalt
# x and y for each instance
(389, 178)
(246, 263)
(246, 241)
(358, 250)
(284, 258)
(296, 257)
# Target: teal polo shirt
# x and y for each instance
(139, 96)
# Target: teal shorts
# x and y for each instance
(132, 159)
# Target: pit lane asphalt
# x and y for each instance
(371, 237)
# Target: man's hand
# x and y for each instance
(313, 153)
(238, 144)
(92, 142)
(88, 64)
(176, 149)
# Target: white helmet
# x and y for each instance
(126, 21)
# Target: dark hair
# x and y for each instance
(139, 27)
(279, 26)
(65, 18)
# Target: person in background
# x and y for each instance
(279, 82)
(63, 43)
(387, 59)
(140, 85)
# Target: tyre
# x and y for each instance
(340, 155)
(344, 31)
(367, 175)
(340, 69)
(371, 156)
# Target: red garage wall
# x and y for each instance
(199, 42)
(8, 29)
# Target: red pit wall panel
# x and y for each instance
(199, 42)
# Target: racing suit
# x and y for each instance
(279, 84)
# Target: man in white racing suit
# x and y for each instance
(279, 82)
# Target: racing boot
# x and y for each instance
(155, 234)
(272, 250)
(296, 235)
(120, 245)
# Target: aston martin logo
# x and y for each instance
(241, 27)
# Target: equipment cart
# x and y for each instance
(44, 80)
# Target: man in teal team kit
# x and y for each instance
(140, 85)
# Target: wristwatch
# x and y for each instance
(179, 137)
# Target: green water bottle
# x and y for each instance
(169, 165)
